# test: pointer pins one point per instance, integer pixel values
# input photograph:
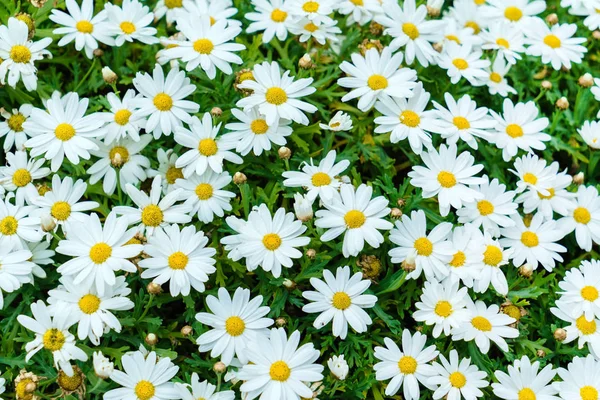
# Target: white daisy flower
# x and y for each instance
(41, 255)
(167, 169)
(468, 14)
(592, 20)
(338, 367)
(581, 290)
(457, 378)
(163, 100)
(505, 39)
(205, 196)
(120, 162)
(462, 265)
(356, 215)
(252, 133)
(277, 96)
(493, 211)
(63, 130)
(16, 268)
(98, 251)
(459, 34)
(18, 225)
(430, 253)
(216, 11)
(169, 9)
(447, 176)
(486, 324)
(202, 390)
(2, 382)
(556, 45)
(496, 78)
(407, 367)
(517, 12)
(130, 22)
(80, 25)
(18, 54)
(462, 61)
(558, 199)
(206, 151)
(583, 217)
(525, 381)
(359, 11)
(307, 29)
(585, 331)
(92, 312)
(207, 45)
(272, 17)
(589, 132)
(12, 130)
(596, 92)
(463, 120)
(268, 242)
(340, 122)
(19, 173)
(376, 76)
(303, 207)
(179, 257)
(340, 298)
(581, 379)
(533, 174)
(278, 368)
(407, 118)
(122, 121)
(63, 203)
(443, 306)
(152, 211)
(52, 334)
(535, 243)
(320, 181)
(487, 258)
(314, 10)
(409, 28)
(145, 378)
(236, 323)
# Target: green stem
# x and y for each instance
(87, 75)
(148, 305)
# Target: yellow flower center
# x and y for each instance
(21, 177)
(443, 309)
(127, 27)
(259, 127)
(453, 38)
(485, 207)
(513, 13)
(410, 30)
(204, 191)
(173, 3)
(9, 225)
(410, 118)
(341, 300)
(152, 215)
(53, 339)
(586, 327)
(473, 25)
(458, 260)
(589, 293)
(280, 371)
(527, 394)
(320, 179)
(276, 95)
(457, 380)
(492, 255)
(495, 77)
(357, 2)
(461, 122)
(311, 27)
(530, 239)
(208, 147)
(89, 303)
(100, 252)
(514, 131)
(581, 215)
(481, 324)
(407, 365)
(178, 260)
(354, 219)
(123, 155)
(552, 41)
(310, 6)
(246, 76)
(377, 82)
(144, 390)
(446, 179)
(271, 241)
(61, 210)
(548, 196)
(122, 117)
(20, 54)
(460, 63)
(588, 393)
(84, 26)
(235, 326)
(530, 178)
(512, 311)
(21, 389)
(173, 173)
(163, 102)
(423, 246)
(64, 132)
(503, 43)
(15, 122)
(69, 383)
(278, 15)
(334, 124)
(203, 46)
(26, 18)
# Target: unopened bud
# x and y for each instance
(540, 353)
(280, 322)
(219, 367)
(151, 339)
(186, 330)
(560, 334)
(579, 178)
(284, 153)
(311, 253)
(526, 270)
(98, 52)
(438, 46)
(154, 288)
(433, 11)
(395, 213)
(289, 284)
(109, 76)
(306, 62)
(552, 19)
(562, 103)
(47, 222)
(239, 178)
(547, 85)
(401, 203)
(596, 35)
(216, 112)
(375, 28)
(408, 264)
(117, 160)
(586, 80)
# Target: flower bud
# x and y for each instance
(280, 322)
(47, 222)
(401, 203)
(560, 334)
(303, 207)
(395, 213)
(284, 153)
(102, 365)
(98, 52)
(562, 103)
(109, 76)
(338, 367)
(579, 178)
(239, 178)
(154, 288)
(526, 270)
(547, 85)
(289, 284)
(540, 353)
(311, 253)
(216, 112)
(596, 35)
(408, 264)
(219, 367)
(306, 62)
(586, 80)
(186, 330)
(552, 19)
(151, 339)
